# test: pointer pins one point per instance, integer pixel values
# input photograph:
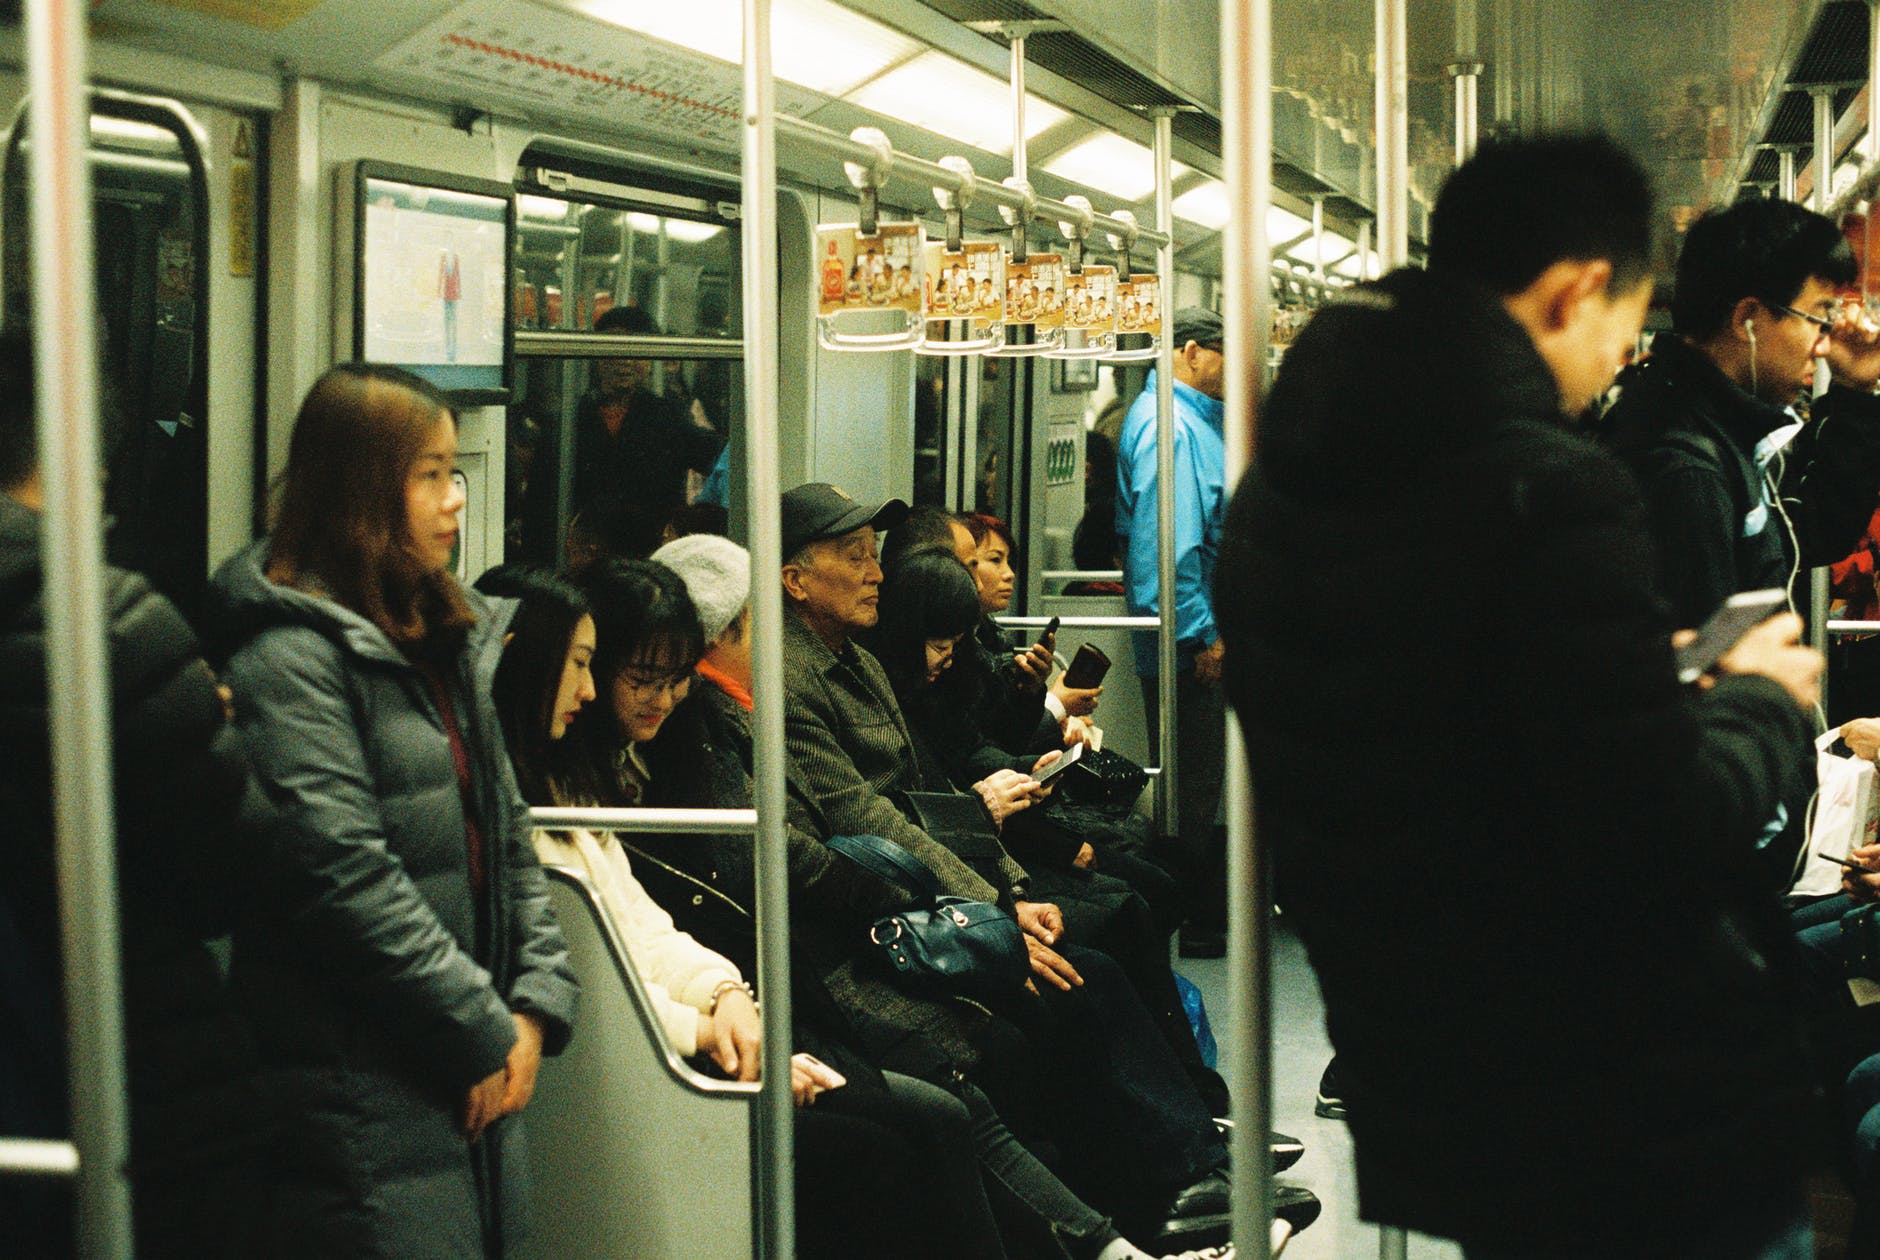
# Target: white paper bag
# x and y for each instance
(1847, 815)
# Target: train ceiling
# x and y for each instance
(1697, 87)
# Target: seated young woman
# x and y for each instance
(854, 1149)
(702, 756)
(927, 609)
(1021, 712)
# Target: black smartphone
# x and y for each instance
(1049, 637)
(1724, 627)
(1070, 757)
(1087, 668)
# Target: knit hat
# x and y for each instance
(717, 575)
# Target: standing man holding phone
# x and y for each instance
(1593, 1054)
(1200, 496)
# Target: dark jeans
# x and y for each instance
(1130, 1123)
(1104, 913)
(1201, 768)
(890, 1172)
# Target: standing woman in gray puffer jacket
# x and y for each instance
(403, 1009)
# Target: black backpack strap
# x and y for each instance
(890, 862)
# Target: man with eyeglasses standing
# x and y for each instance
(1743, 492)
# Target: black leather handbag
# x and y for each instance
(1105, 779)
(941, 944)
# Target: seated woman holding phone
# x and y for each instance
(1017, 709)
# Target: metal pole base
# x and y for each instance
(1393, 1244)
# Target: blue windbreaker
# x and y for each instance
(1200, 500)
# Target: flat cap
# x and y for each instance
(818, 510)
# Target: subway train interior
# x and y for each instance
(468, 188)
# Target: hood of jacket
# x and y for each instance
(1446, 361)
(244, 602)
(1677, 368)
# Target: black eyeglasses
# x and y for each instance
(1823, 325)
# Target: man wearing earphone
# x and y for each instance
(1742, 491)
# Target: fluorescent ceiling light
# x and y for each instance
(690, 231)
(1111, 164)
(1335, 248)
(534, 207)
(1205, 206)
(1349, 267)
(813, 43)
(952, 99)
(135, 134)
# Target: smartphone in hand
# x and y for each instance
(1087, 668)
(1723, 628)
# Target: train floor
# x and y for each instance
(1300, 1054)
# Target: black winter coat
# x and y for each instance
(190, 831)
(1690, 435)
(385, 996)
(1514, 847)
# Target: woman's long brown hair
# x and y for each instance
(341, 526)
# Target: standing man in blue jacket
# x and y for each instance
(1200, 497)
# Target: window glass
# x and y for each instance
(610, 455)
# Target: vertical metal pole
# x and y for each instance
(1504, 61)
(1247, 110)
(66, 384)
(1393, 134)
(1393, 1243)
(1785, 174)
(774, 1201)
(1873, 81)
(1318, 237)
(1168, 783)
(1818, 578)
(1467, 75)
(1020, 167)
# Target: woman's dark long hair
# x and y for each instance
(927, 594)
(528, 680)
(341, 527)
(643, 618)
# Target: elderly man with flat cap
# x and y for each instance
(1200, 492)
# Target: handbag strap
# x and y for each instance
(889, 861)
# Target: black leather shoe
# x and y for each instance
(1197, 942)
(1330, 1103)
(1296, 1205)
(1284, 1149)
(1205, 1197)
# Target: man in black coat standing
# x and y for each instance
(1741, 490)
(1512, 844)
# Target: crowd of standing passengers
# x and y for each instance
(345, 800)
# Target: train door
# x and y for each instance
(150, 192)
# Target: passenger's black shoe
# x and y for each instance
(1285, 1149)
(1198, 942)
(1331, 1100)
(1296, 1205)
(1205, 1197)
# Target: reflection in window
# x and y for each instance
(148, 195)
(609, 455)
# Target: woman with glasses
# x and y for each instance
(403, 1009)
